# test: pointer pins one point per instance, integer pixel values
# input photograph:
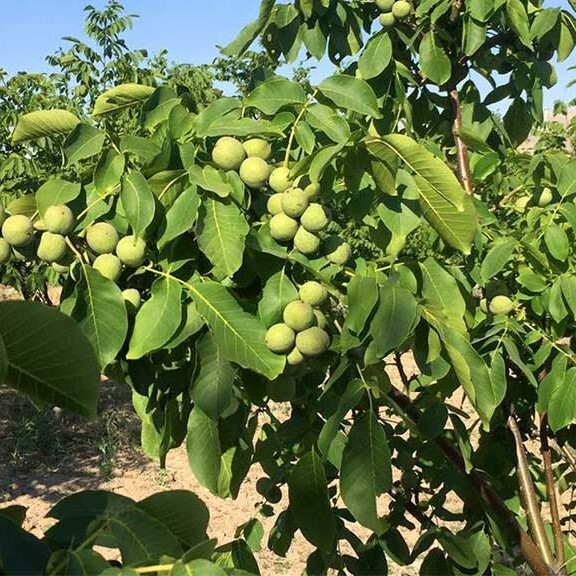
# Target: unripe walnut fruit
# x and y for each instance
(337, 250)
(294, 358)
(102, 238)
(283, 228)
(132, 300)
(59, 219)
(298, 315)
(18, 230)
(274, 204)
(228, 153)
(313, 190)
(384, 5)
(313, 341)
(500, 305)
(109, 266)
(545, 197)
(306, 242)
(280, 179)
(255, 172)
(314, 218)
(313, 293)
(52, 247)
(294, 202)
(401, 9)
(387, 19)
(131, 250)
(280, 338)
(5, 251)
(258, 148)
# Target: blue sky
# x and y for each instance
(189, 29)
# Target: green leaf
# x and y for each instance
(434, 62)
(309, 503)
(366, 471)
(443, 201)
(562, 402)
(83, 142)
(181, 216)
(251, 31)
(544, 22)
(138, 202)
(84, 562)
(203, 447)
(108, 172)
(351, 93)
(329, 121)
(376, 56)
(213, 389)
(25, 205)
(481, 10)
(498, 256)
(56, 191)
(44, 124)
(274, 94)
(557, 242)
(518, 121)
(48, 357)
(362, 295)
(101, 313)
(277, 294)
(121, 97)
(201, 567)
(567, 180)
(158, 319)
(221, 233)
(158, 107)
(21, 552)
(518, 18)
(239, 335)
(143, 148)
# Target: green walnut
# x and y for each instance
(228, 153)
(313, 341)
(257, 148)
(385, 5)
(484, 305)
(295, 358)
(280, 179)
(274, 204)
(500, 305)
(280, 338)
(60, 268)
(102, 238)
(387, 19)
(5, 251)
(337, 250)
(132, 300)
(283, 228)
(132, 251)
(298, 315)
(313, 293)
(59, 219)
(109, 266)
(3, 214)
(314, 218)
(305, 242)
(321, 321)
(294, 202)
(313, 190)
(255, 172)
(522, 203)
(545, 197)
(401, 9)
(52, 247)
(18, 230)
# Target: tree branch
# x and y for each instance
(461, 148)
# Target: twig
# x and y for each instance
(528, 494)
(552, 494)
(462, 150)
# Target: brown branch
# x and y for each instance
(528, 494)
(529, 550)
(552, 494)
(462, 150)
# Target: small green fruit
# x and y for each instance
(306, 242)
(299, 315)
(500, 305)
(313, 341)
(313, 190)
(132, 299)
(258, 148)
(228, 153)
(283, 228)
(280, 338)
(313, 293)
(522, 203)
(295, 358)
(132, 251)
(255, 172)
(337, 250)
(102, 238)
(484, 305)
(401, 9)
(320, 319)
(387, 19)
(274, 204)
(18, 230)
(60, 268)
(59, 219)
(109, 266)
(280, 179)
(294, 202)
(52, 247)
(314, 218)
(545, 197)
(3, 214)
(5, 251)
(385, 5)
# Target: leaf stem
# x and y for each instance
(295, 125)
